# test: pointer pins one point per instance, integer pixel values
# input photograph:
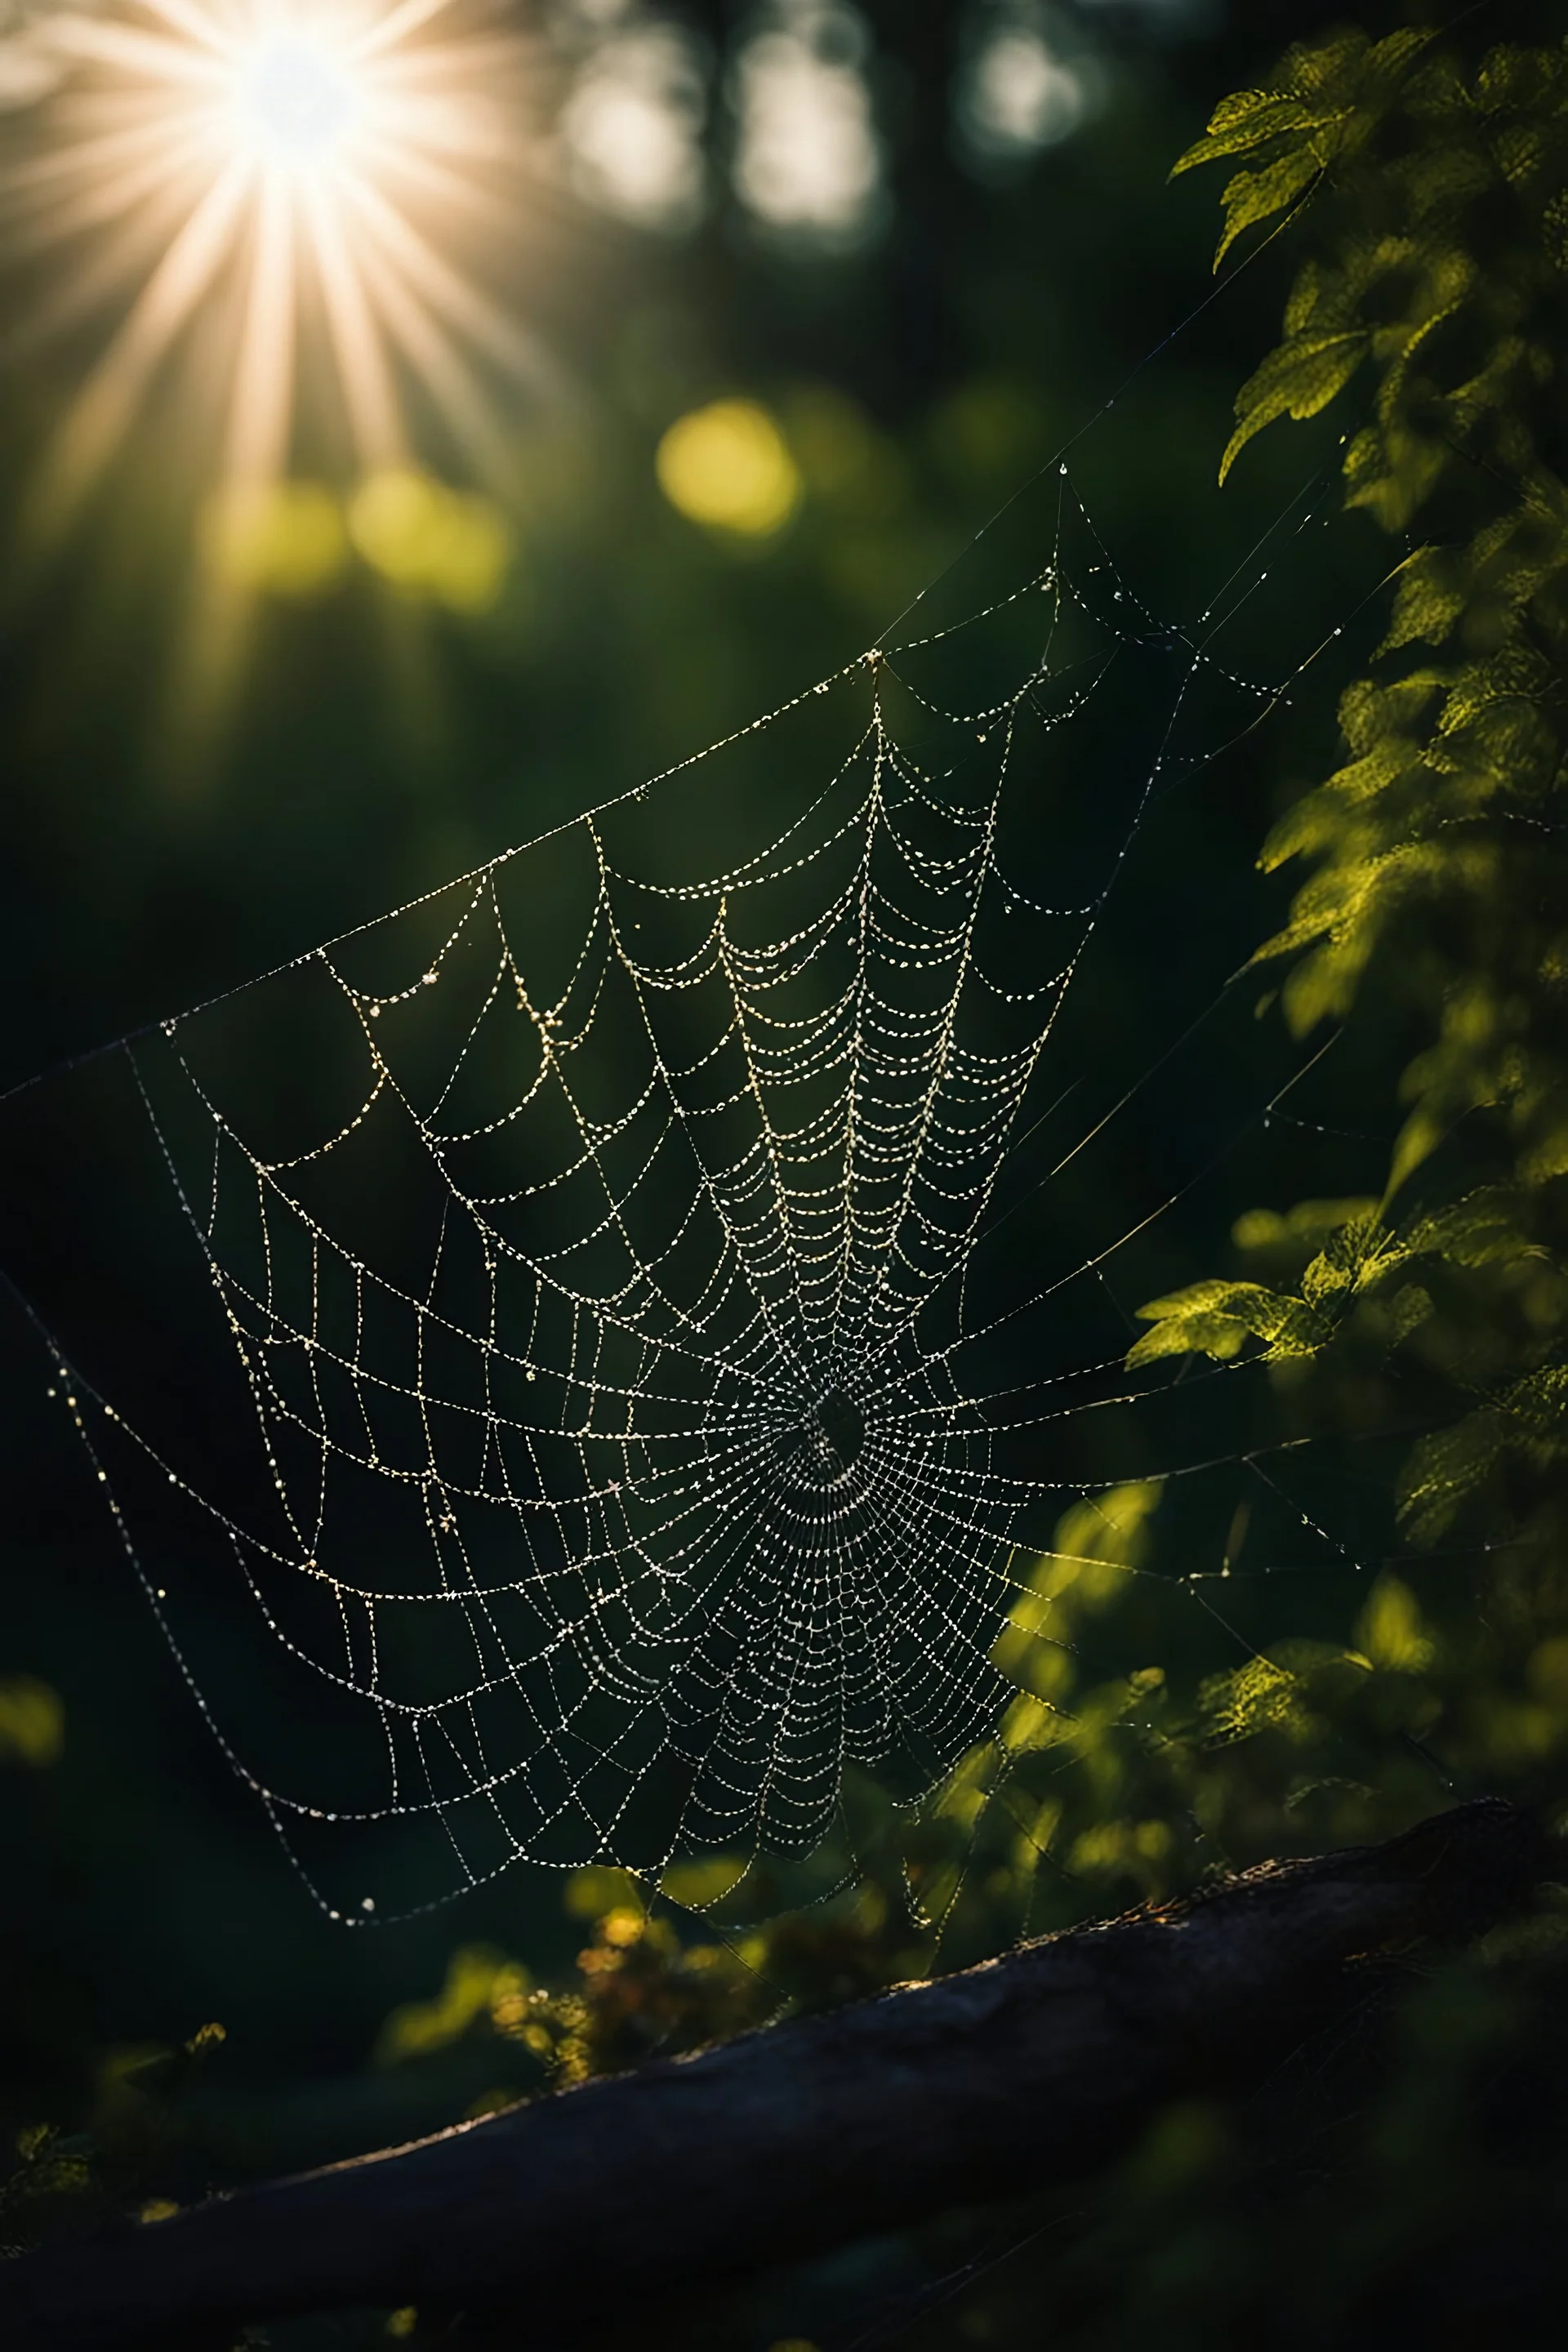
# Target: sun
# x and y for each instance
(295, 103)
(306, 189)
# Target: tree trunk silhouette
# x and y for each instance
(644, 2188)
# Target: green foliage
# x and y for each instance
(1526, 1424)
(1319, 110)
(118, 2162)
(483, 1988)
(1418, 155)
(1434, 893)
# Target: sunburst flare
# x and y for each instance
(281, 176)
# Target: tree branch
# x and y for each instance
(640, 2189)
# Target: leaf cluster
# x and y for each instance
(1433, 892)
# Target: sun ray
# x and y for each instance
(445, 291)
(399, 23)
(151, 57)
(195, 22)
(264, 380)
(438, 362)
(103, 408)
(312, 164)
(364, 372)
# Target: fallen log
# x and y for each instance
(642, 2189)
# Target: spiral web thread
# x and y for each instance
(639, 1483)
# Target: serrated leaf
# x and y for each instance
(1241, 123)
(1376, 770)
(1356, 1256)
(1216, 1318)
(1430, 600)
(1388, 59)
(1241, 106)
(1481, 1229)
(1298, 380)
(1313, 821)
(1254, 195)
(1322, 986)
(1312, 66)
(1219, 1335)
(1258, 1696)
(1324, 1281)
(1301, 1332)
(1448, 1469)
(1301, 933)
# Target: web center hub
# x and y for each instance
(825, 1443)
(840, 1429)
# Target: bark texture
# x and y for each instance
(635, 2190)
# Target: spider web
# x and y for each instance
(623, 1410)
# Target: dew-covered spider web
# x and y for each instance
(608, 1333)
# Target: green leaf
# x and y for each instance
(1359, 1254)
(1258, 1696)
(1432, 595)
(1481, 1229)
(1242, 123)
(1255, 195)
(1216, 1318)
(1298, 380)
(1448, 1470)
